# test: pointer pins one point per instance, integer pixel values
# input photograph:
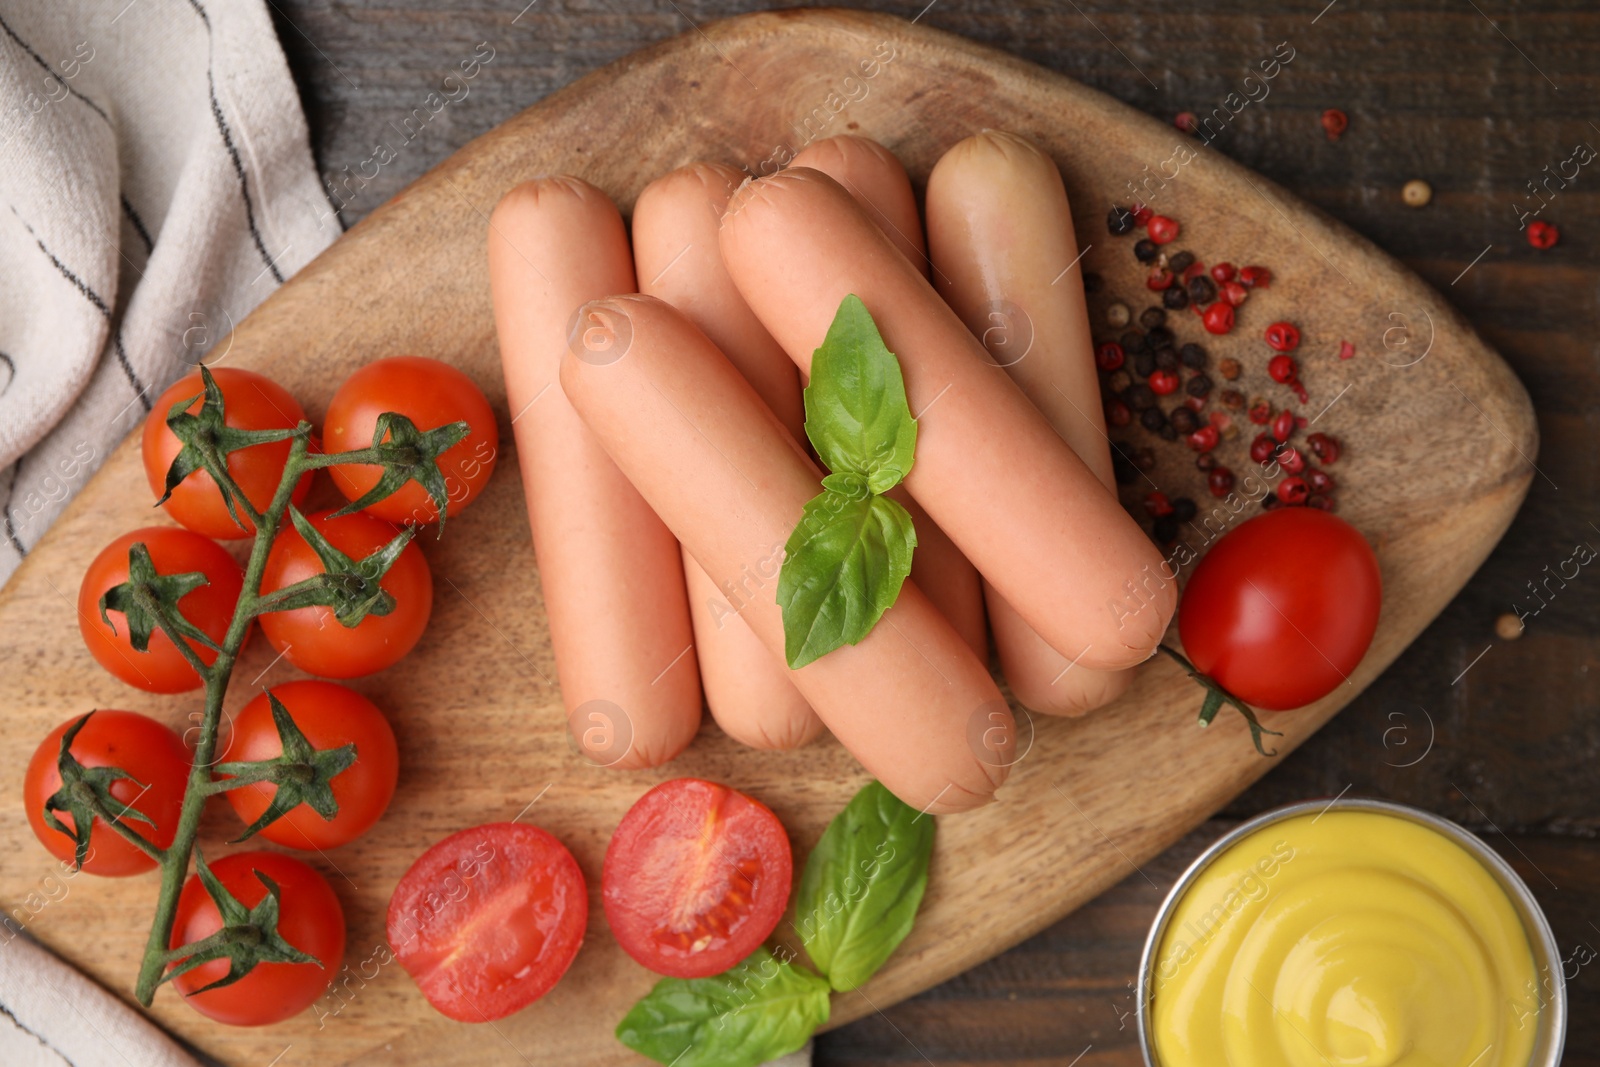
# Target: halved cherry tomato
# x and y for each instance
(696, 876)
(151, 753)
(161, 668)
(430, 394)
(330, 716)
(1282, 609)
(309, 918)
(250, 402)
(312, 638)
(489, 919)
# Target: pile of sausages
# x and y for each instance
(656, 400)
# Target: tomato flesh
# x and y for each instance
(145, 749)
(1282, 609)
(310, 919)
(489, 919)
(330, 716)
(696, 877)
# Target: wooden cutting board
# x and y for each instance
(1440, 438)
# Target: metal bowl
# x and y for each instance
(1546, 957)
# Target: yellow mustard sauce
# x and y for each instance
(1349, 939)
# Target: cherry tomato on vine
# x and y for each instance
(250, 402)
(695, 878)
(161, 668)
(330, 716)
(489, 919)
(151, 753)
(312, 638)
(431, 394)
(310, 919)
(1282, 609)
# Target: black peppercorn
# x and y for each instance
(1144, 363)
(1205, 461)
(1119, 221)
(1202, 290)
(1152, 317)
(1175, 299)
(1167, 357)
(1152, 418)
(1139, 396)
(1271, 501)
(1132, 341)
(1184, 420)
(1167, 432)
(1159, 336)
(1184, 509)
(1180, 262)
(1199, 385)
(1193, 356)
(1166, 529)
(1146, 250)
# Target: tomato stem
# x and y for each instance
(1216, 697)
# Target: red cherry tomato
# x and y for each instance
(312, 638)
(696, 876)
(489, 919)
(161, 668)
(1282, 609)
(330, 716)
(250, 402)
(430, 394)
(145, 749)
(310, 919)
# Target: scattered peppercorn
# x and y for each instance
(1283, 425)
(1152, 419)
(1192, 355)
(1202, 290)
(1145, 250)
(1230, 369)
(1144, 458)
(1234, 293)
(1334, 123)
(1184, 420)
(1204, 439)
(1416, 193)
(1165, 529)
(1185, 121)
(1158, 279)
(1109, 356)
(1508, 627)
(1176, 298)
(1118, 413)
(1159, 335)
(1218, 318)
(1322, 446)
(1139, 396)
(1320, 502)
(1141, 215)
(1283, 337)
(1293, 491)
(1144, 363)
(1119, 221)
(1162, 230)
(1262, 448)
(1206, 460)
(1255, 278)
(1166, 358)
(1291, 459)
(1117, 315)
(1346, 350)
(1119, 381)
(1152, 317)
(1543, 234)
(1286, 371)
(1180, 262)
(1157, 504)
(1319, 480)
(1271, 502)
(1199, 386)
(1260, 411)
(1184, 509)
(1233, 400)
(1223, 273)
(1164, 382)
(1220, 481)
(1132, 341)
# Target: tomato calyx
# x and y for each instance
(350, 587)
(302, 774)
(249, 936)
(149, 601)
(409, 455)
(85, 794)
(1216, 696)
(207, 441)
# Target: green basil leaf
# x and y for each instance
(856, 412)
(756, 1011)
(862, 885)
(842, 569)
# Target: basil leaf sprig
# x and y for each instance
(758, 1010)
(847, 558)
(859, 895)
(862, 885)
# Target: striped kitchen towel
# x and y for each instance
(156, 184)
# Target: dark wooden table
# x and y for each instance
(1477, 97)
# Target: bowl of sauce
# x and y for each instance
(1351, 933)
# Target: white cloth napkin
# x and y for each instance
(156, 184)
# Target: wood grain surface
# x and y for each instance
(1090, 799)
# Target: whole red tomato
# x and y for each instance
(149, 752)
(431, 394)
(250, 402)
(310, 919)
(161, 668)
(330, 716)
(1282, 609)
(312, 638)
